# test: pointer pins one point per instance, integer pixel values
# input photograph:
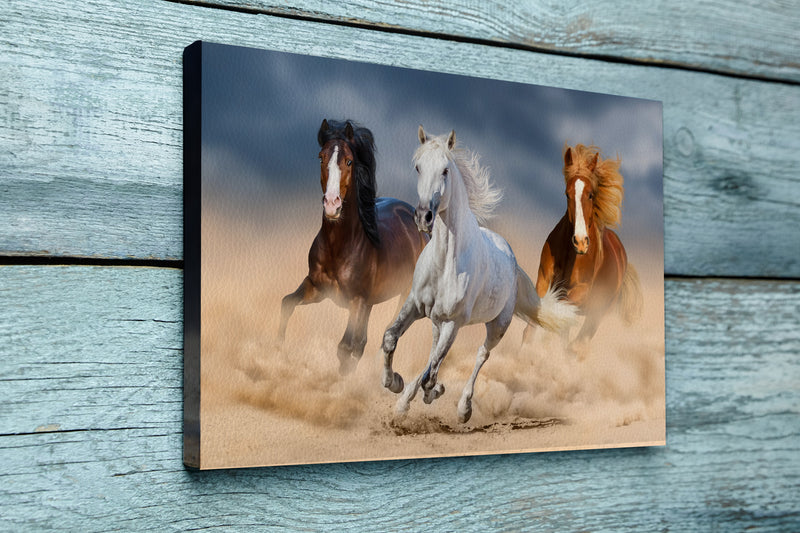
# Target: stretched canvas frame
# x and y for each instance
(252, 209)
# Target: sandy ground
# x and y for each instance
(265, 406)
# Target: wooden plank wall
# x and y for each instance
(91, 257)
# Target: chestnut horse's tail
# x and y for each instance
(550, 311)
(630, 296)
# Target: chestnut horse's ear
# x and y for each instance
(451, 140)
(593, 164)
(322, 129)
(421, 135)
(348, 131)
(568, 157)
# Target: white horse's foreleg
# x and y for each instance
(494, 332)
(409, 313)
(431, 389)
(447, 334)
(465, 403)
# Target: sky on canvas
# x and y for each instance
(262, 111)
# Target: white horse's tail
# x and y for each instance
(630, 296)
(550, 311)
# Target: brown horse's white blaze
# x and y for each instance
(580, 238)
(335, 179)
(331, 200)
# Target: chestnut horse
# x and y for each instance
(367, 247)
(582, 256)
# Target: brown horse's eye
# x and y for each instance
(591, 196)
(349, 162)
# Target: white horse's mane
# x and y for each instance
(483, 196)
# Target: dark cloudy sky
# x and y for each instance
(262, 110)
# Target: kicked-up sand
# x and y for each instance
(267, 405)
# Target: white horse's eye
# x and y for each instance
(416, 167)
(445, 171)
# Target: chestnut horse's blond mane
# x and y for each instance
(605, 179)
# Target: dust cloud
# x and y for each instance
(264, 404)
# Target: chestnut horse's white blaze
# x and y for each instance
(581, 236)
(467, 274)
(332, 200)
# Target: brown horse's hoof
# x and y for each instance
(580, 349)
(347, 365)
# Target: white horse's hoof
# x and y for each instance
(434, 393)
(402, 407)
(394, 383)
(464, 411)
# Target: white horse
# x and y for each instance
(465, 275)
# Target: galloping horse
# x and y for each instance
(365, 250)
(466, 275)
(582, 256)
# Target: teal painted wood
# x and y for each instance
(90, 430)
(91, 160)
(740, 38)
(91, 358)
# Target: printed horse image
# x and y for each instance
(582, 256)
(467, 274)
(366, 248)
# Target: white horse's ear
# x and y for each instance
(451, 140)
(568, 157)
(421, 135)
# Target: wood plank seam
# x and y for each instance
(399, 30)
(56, 260)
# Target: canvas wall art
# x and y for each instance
(386, 263)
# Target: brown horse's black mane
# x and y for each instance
(362, 144)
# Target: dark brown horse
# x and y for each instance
(367, 247)
(583, 257)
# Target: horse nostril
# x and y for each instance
(574, 240)
(429, 217)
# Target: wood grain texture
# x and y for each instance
(90, 430)
(91, 358)
(91, 135)
(742, 38)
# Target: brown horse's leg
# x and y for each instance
(599, 300)
(351, 347)
(306, 293)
